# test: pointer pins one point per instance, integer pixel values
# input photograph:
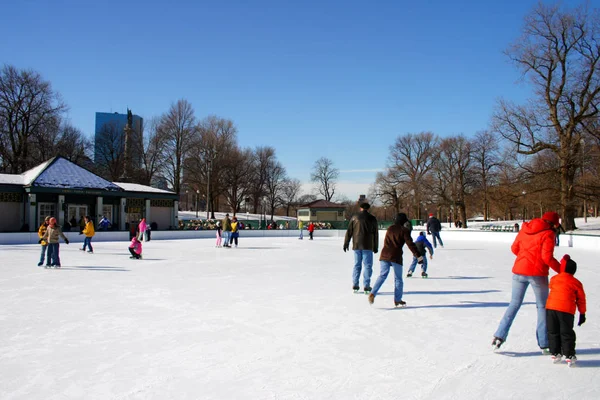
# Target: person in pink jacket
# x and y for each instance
(135, 248)
(142, 230)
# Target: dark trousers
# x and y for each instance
(310, 234)
(133, 253)
(561, 336)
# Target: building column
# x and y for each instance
(61, 211)
(99, 205)
(147, 213)
(30, 217)
(122, 213)
(175, 215)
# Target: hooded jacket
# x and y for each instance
(534, 248)
(41, 233)
(363, 231)
(395, 237)
(566, 292)
(89, 231)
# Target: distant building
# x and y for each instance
(362, 198)
(321, 210)
(109, 138)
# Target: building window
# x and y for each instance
(45, 210)
(340, 213)
(303, 213)
(313, 213)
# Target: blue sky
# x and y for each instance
(339, 79)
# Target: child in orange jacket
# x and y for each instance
(566, 293)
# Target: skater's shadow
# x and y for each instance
(465, 304)
(95, 268)
(459, 277)
(443, 292)
(580, 363)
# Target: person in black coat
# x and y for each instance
(434, 226)
(364, 233)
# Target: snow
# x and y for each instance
(135, 187)
(275, 319)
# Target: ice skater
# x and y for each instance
(89, 233)
(364, 233)
(41, 231)
(566, 293)
(135, 248)
(423, 246)
(142, 230)
(434, 226)
(391, 257)
(52, 237)
(235, 232)
(219, 237)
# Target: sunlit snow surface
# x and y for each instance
(275, 319)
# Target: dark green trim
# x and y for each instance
(11, 188)
(101, 193)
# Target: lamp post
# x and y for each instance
(583, 180)
(524, 193)
(187, 200)
(197, 195)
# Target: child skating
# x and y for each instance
(422, 245)
(52, 237)
(135, 248)
(566, 294)
(219, 236)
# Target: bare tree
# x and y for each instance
(486, 160)
(236, 175)
(110, 151)
(27, 105)
(410, 163)
(325, 175)
(150, 149)
(276, 177)
(177, 127)
(290, 190)
(262, 159)
(558, 51)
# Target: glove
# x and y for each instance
(431, 257)
(67, 241)
(581, 319)
(375, 251)
(345, 248)
(566, 257)
(81, 233)
(420, 260)
(40, 241)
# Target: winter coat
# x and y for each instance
(219, 231)
(142, 226)
(566, 292)
(234, 227)
(41, 232)
(311, 227)
(363, 231)
(89, 231)
(423, 245)
(136, 245)
(433, 225)
(300, 225)
(534, 248)
(395, 237)
(226, 224)
(53, 235)
(104, 223)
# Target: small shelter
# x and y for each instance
(321, 210)
(67, 191)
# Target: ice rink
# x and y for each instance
(275, 319)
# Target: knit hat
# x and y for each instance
(401, 219)
(365, 206)
(430, 215)
(551, 216)
(568, 265)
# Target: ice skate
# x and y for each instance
(355, 289)
(424, 274)
(409, 274)
(556, 358)
(546, 351)
(496, 343)
(40, 264)
(400, 303)
(571, 361)
(368, 289)
(371, 298)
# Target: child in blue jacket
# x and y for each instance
(422, 245)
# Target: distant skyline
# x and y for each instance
(335, 79)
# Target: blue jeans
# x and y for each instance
(398, 283)
(301, 234)
(43, 254)
(362, 257)
(226, 237)
(413, 265)
(53, 256)
(519, 287)
(436, 235)
(87, 242)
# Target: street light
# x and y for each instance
(583, 180)
(187, 200)
(197, 195)
(524, 193)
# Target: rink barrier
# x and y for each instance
(566, 239)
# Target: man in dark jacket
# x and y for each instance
(364, 232)
(391, 256)
(433, 228)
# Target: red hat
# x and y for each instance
(431, 215)
(551, 216)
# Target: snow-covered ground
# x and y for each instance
(275, 319)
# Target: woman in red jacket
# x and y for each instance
(534, 248)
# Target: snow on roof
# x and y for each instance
(63, 173)
(26, 177)
(134, 187)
